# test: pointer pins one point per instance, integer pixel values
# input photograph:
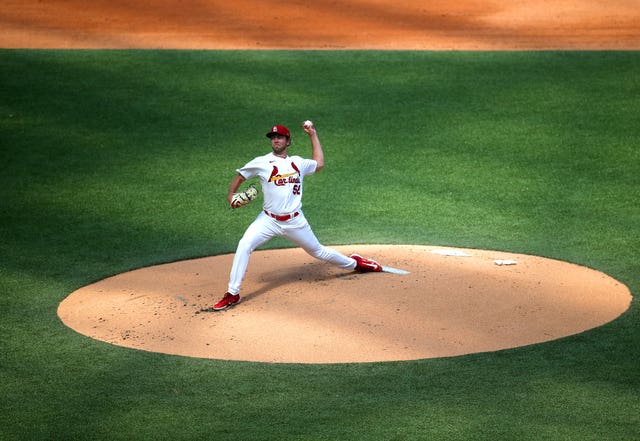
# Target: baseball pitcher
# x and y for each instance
(281, 179)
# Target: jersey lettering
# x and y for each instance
(290, 178)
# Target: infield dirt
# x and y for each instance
(362, 24)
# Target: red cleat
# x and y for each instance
(227, 301)
(366, 265)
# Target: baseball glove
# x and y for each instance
(244, 197)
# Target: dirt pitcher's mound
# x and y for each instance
(298, 310)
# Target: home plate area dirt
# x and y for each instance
(295, 309)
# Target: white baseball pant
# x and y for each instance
(296, 230)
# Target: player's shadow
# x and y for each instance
(307, 272)
(304, 272)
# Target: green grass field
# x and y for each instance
(115, 160)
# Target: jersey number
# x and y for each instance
(296, 189)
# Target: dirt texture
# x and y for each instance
(297, 310)
(322, 24)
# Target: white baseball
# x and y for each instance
(308, 123)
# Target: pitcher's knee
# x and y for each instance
(244, 247)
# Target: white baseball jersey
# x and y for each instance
(281, 180)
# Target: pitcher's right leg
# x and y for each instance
(305, 237)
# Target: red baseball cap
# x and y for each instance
(279, 130)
